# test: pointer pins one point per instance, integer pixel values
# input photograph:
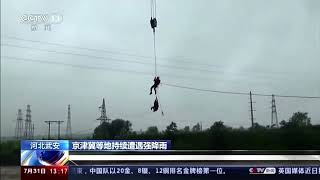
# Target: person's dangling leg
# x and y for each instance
(155, 89)
(151, 89)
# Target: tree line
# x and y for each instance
(296, 133)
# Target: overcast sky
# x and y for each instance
(230, 45)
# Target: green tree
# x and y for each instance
(298, 120)
(257, 126)
(186, 129)
(218, 125)
(152, 130)
(196, 128)
(172, 128)
(116, 129)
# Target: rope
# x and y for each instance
(151, 8)
(155, 8)
(155, 54)
(153, 15)
(158, 97)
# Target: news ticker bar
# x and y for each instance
(60, 152)
(102, 172)
(193, 170)
(194, 158)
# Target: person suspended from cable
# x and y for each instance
(155, 106)
(153, 23)
(156, 83)
(153, 19)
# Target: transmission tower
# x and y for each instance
(103, 118)
(274, 115)
(28, 133)
(32, 130)
(68, 131)
(19, 125)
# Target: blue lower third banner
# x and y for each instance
(44, 152)
(56, 152)
(188, 172)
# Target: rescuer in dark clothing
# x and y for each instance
(155, 105)
(155, 85)
(153, 23)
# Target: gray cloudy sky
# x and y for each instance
(233, 45)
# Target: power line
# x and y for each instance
(74, 65)
(107, 51)
(206, 90)
(150, 74)
(98, 67)
(111, 59)
(139, 56)
(76, 54)
(239, 93)
(75, 47)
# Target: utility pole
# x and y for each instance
(49, 123)
(69, 132)
(59, 122)
(251, 109)
(274, 115)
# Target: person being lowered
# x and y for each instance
(155, 85)
(155, 105)
(153, 23)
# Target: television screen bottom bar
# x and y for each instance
(178, 172)
(180, 158)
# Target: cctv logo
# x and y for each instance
(262, 170)
(41, 18)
